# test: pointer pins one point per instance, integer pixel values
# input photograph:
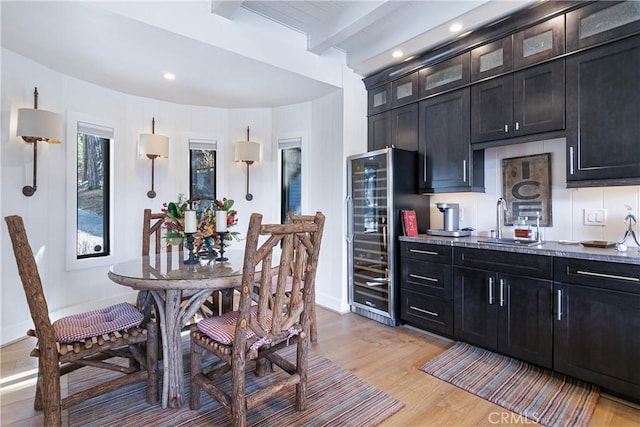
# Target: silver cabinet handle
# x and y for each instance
(418, 251)
(570, 160)
(430, 313)
(424, 169)
(608, 276)
(559, 304)
(490, 290)
(506, 128)
(501, 292)
(416, 276)
(464, 171)
(517, 125)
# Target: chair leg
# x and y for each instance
(51, 395)
(238, 398)
(301, 368)
(313, 328)
(196, 368)
(38, 405)
(152, 363)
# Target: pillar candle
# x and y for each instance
(190, 222)
(221, 221)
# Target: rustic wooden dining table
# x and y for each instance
(179, 290)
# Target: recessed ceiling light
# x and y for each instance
(455, 28)
(169, 76)
(397, 54)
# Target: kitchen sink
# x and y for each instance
(514, 242)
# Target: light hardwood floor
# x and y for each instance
(386, 357)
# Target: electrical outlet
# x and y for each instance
(597, 217)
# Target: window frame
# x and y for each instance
(284, 144)
(202, 144)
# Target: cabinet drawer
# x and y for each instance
(426, 311)
(426, 252)
(606, 275)
(427, 277)
(537, 266)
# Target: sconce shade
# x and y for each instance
(40, 125)
(152, 144)
(247, 151)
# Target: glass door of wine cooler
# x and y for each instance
(370, 237)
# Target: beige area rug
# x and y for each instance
(544, 396)
(335, 397)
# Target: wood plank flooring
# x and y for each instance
(386, 357)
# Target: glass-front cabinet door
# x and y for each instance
(369, 231)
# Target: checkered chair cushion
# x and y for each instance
(222, 328)
(98, 322)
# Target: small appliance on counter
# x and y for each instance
(451, 213)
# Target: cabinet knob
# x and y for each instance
(517, 125)
(506, 128)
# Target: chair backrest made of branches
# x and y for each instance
(278, 314)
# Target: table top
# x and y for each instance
(170, 272)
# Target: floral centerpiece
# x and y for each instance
(205, 235)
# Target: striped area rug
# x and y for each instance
(544, 396)
(335, 397)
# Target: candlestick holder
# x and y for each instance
(221, 236)
(192, 259)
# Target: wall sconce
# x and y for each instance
(37, 125)
(153, 146)
(248, 152)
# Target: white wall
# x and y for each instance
(479, 210)
(68, 291)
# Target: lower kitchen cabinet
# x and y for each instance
(498, 306)
(426, 287)
(597, 326)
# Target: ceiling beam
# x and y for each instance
(225, 8)
(356, 18)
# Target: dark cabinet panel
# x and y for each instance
(474, 307)
(379, 134)
(426, 311)
(379, 98)
(492, 59)
(404, 90)
(600, 22)
(603, 132)
(446, 162)
(523, 103)
(446, 75)
(538, 43)
(404, 127)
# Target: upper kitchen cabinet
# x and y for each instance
(539, 43)
(603, 129)
(379, 132)
(492, 59)
(404, 90)
(526, 102)
(601, 22)
(447, 163)
(446, 75)
(379, 98)
(396, 128)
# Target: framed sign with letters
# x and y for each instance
(526, 186)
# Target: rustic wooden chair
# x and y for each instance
(88, 339)
(255, 333)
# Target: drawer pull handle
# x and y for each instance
(415, 276)
(608, 276)
(418, 251)
(430, 313)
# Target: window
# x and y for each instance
(93, 145)
(202, 168)
(291, 176)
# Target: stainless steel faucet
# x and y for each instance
(501, 203)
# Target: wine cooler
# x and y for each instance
(381, 184)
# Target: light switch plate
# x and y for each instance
(597, 217)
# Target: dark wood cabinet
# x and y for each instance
(597, 326)
(444, 76)
(404, 127)
(379, 99)
(603, 130)
(527, 102)
(502, 302)
(539, 43)
(404, 90)
(426, 291)
(379, 133)
(601, 22)
(492, 59)
(446, 161)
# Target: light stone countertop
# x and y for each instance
(550, 248)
